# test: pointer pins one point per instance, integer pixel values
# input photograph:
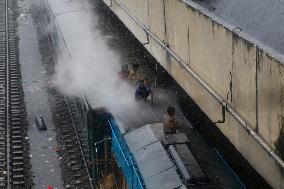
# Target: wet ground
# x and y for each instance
(44, 159)
(261, 19)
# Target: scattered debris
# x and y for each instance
(56, 148)
(40, 123)
(22, 16)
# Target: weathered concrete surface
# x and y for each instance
(245, 75)
(260, 18)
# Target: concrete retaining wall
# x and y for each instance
(249, 76)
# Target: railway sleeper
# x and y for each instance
(15, 103)
(13, 60)
(16, 132)
(14, 108)
(16, 123)
(14, 82)
(3, 143)
(13, 55)
(64, 117)
(77, 175)
(14, 74)
(18, 170)
(78, 182)
(18, 183)
(18, 152)
(3, 160)
(18, 99)
(66, 137)
(73, 152)
(14, 142)
(73, 158)
(66, 124)
(3, 149)
(16, 137)
(18, 158)
(71, 141)
(65, 132)
(18, 164)
(71, 146)
(16, 128)
(14, 87)
(3, 166)
(76, 166)
(18, 177)
(16, 113)
(16, 119)
(18, 147)
(73, 162)
(66, 127)
(17, 96)
(14, 68)
(3, 183)
(64, 114)
(14, 92)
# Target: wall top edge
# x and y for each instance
(235, 29)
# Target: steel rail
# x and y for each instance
(7, 93)
(211, 91)
(80, 143)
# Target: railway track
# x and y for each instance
(75, 173)
(12, 161)
(79, 176)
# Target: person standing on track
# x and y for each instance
(170, 123)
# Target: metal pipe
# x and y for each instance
(214, 94)
(251, 132)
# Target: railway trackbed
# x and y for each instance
(13, 173)
(75, 173)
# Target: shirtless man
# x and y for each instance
(170, 124)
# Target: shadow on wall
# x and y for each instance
(279, 144)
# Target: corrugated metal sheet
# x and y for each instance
(152, 160)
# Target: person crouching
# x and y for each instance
(144, 90)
